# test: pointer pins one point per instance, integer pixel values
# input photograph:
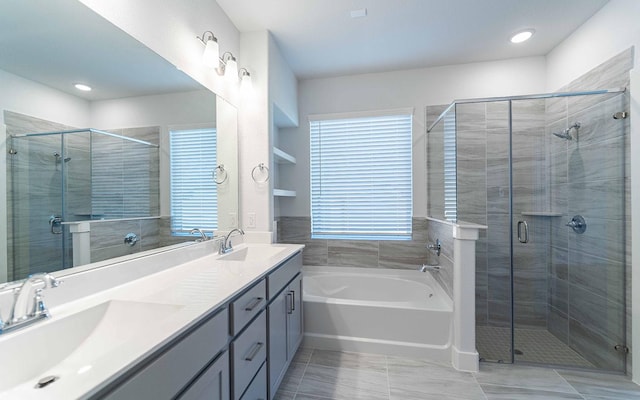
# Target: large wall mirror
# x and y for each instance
(132, 165)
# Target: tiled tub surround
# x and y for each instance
(404, 254)
(193, 278)
(570, 284)
(455, 278)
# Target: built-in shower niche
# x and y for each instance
(57, 176)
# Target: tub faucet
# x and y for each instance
(225, 245)
(425, 268)
(22, 312)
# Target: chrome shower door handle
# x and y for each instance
(525, 238)
(56, 224)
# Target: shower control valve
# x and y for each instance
(578, 224)
(437, 246)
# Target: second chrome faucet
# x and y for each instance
(225, 245)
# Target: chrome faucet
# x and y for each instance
(225, 245)
(425, 268)
(28, 305)
(203, 236)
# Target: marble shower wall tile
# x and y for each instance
(588, 177)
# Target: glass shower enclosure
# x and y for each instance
(548, 175)
(54, 178)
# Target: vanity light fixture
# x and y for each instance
(210, 57)
(522, 36)
(83, 87)
(245, 79)
(228, 66)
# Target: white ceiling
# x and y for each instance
(62, 42)
(319, 38)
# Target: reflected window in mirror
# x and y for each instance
(194, 172)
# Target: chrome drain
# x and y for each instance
(46, 381)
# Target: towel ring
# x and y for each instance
(262, 168)
(222, 171)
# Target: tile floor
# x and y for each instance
(322, 375)
(536, 345)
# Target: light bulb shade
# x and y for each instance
(210, 57)
(231, 70)
(245, 80)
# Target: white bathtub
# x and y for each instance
(384, 311)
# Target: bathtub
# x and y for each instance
(372, 310)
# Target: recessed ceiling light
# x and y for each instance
(522, 36)
(83, 87)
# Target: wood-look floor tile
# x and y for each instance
(494, 392)
(368, 362)
(344, 383)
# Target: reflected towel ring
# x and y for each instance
(262, 168)
(222, 171)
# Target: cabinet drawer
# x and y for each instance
(279, 278)
(257, 390)
(169, 374)
(247, 306)
(213, 384)
(249, 351)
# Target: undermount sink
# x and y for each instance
(73, 342)
(253, 253)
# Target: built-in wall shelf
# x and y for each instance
(541, 214)
(284, 193)
(282, 157)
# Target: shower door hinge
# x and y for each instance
(621, 348)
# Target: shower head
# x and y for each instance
(563, 135)
(566, 134)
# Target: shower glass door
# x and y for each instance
(35, 215)
(567, 160)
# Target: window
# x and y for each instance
(361, 183)
(194, 198)
(450, 168)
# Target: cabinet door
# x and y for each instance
(295, 328)
(277, 340)
(213, 384)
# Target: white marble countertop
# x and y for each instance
(198, 288)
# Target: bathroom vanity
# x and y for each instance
(214, 327)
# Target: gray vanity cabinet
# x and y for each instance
(198, 362)
(285, 319)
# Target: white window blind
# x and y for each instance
(361, 183)
(194, 196)
(450, 168)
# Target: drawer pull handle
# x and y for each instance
(293, 300)
(253, 304)
(288, 304)
(254, 351)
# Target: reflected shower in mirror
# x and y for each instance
(85, 169)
